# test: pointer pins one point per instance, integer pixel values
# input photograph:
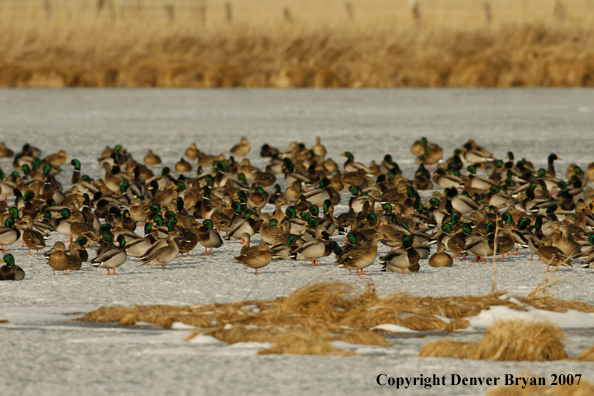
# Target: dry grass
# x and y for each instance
(585, 388)
(506, 340)
(587, 354)
(446, 348)
(142, 54)
(319, 313)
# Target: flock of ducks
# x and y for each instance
(134, 212)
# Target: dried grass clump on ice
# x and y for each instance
(514, 340)
(587, 354)
(79, 53)
(584, 388)
(321, 313)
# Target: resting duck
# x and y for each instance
(400, 259)
(10, 271)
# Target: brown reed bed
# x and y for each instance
(139, 54)
(316, 314)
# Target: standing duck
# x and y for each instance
(550, 255)
(74, 256)
(360, 258)
(57, 258)
(31, 238)
(164, 255)
(208, 236)
(242, 148)
(255, 257)
(315, 249)
(112, 258)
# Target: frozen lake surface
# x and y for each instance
(43, 353)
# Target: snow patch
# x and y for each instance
(392, 328)
(571, 319)
(202, 339)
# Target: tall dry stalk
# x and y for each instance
(147, 54)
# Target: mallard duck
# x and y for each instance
(422, 179)
(9, 234)
(80, 228)
(31, 238)
(242, 149)
(361, 257)
(457, 242)
(268, 151)
(432, 154)
(113, 181)
(57, 160)
(192, 152)
(138, 247)
(255, 257)
(5, 152)
(481, 245)
(257, 198)
(550, 164)
(505, 240)
(183, 166)
(476, 156)
(550, 255)
(265, 179)
(590, 172)
(283, 250)
(352, 166)
(460, 202)
(315, 249)
(75, 261)
(57, 258)
(164, 255)
(564, 241)
(10, 271)
(318, 149)
(400, 259)
(446, 180)
(82, 253)
(208, 236)
(441, 258)
(151, 158)
(270, 234)
(418, 146)
(112, 258)
(245, 224)
(188, 239)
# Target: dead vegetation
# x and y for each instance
(316, 314)
(587, 354)
(141, 54)
(506, 340)
(584, 388)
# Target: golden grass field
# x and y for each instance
(280, 43)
